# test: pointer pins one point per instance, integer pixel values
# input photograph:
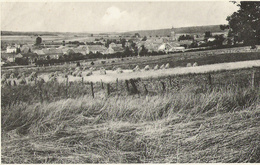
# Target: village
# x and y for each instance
(108, 46)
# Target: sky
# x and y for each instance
(111, 16)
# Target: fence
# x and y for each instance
(51, 91)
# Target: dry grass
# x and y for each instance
(219, 125)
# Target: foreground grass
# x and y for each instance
(217, 125)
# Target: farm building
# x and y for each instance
(39, 52)
(112, 45)
(26, 49)
(170, 47)
(211, 39)
(11, 49)
(12, 57)
(97, 48)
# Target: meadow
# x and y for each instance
(189, 119)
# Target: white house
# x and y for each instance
(10, 49)
(211, 39)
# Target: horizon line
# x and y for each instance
(98, 32)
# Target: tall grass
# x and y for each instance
(182, 126)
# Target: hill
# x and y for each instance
(165, 32)
(41, 33)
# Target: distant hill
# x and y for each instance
(165, 32)
(4, 33)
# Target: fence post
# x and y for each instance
(253, 79)
(82, 80)
(145, 89)
(163, 86)
(134, 86)
(116, 83)
(170, 80)
(209, 77)
(127, 86)
(108, 89)
(102, 86)
(92, 89)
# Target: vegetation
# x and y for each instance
(38, 41)
(245, 23)
(191, 121)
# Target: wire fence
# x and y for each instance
(52, 90)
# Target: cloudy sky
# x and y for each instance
(111, 16)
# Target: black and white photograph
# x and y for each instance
(122, 82)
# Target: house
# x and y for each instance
(39, 52)
(109, 50)
(11, 58)
(3, 63)
(32, 57)
(26, 49)
(170, 47)
(11, 49)
(118, 49)
(152, 47)
(176, 49)
(69, 52)
(115, 45)
(48, 53)
(96, 48)
(211, 39)
(53, 53)
(164, 47)
(83, 49)
(201, 43)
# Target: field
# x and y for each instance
(191, 120)
(23, 39)
(165, 116)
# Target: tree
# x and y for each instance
(223, 27)
(143, 51)
(18, 50)
(245, 23)
(127, 51)
(123, 41)
(208, 34)
(137, 35)
(144, 39)
(38, 40)
(219, 40)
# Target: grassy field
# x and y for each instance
(190, 121)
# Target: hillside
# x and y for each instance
(36, 33)
(165, 32)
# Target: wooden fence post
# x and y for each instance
(127, 86)
(116, 83)
(134, 86)
(102, 86)
(67, 80)
(108, 89)
(170, 80)
(209, 78)
(92, 89)
(253, 79)
(145, 89)
(163, 86)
